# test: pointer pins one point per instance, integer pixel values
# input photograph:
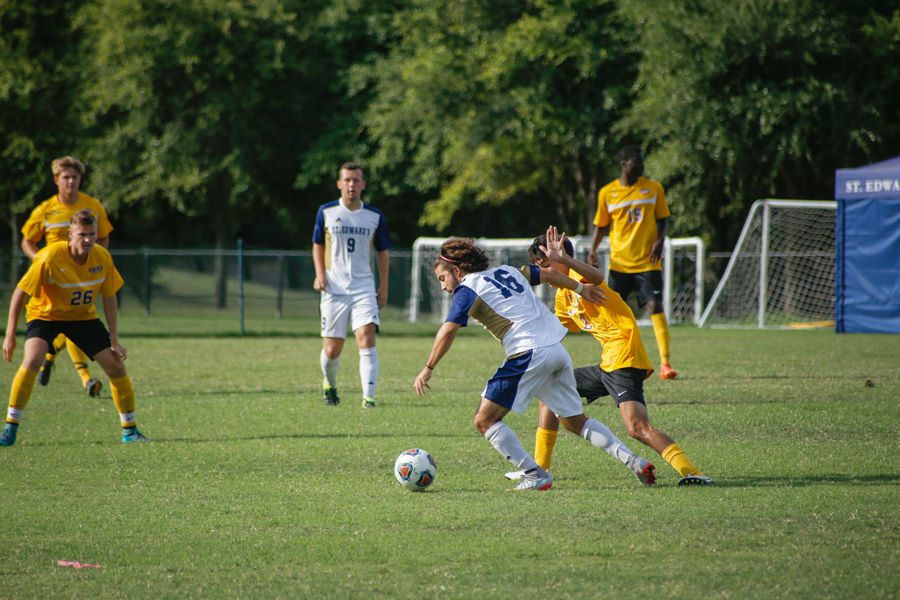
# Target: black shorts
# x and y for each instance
(622, 384)
(647, 285)
(91, 336)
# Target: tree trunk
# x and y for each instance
(223, 239)
(13, 243)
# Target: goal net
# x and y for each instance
(781, 273)
(682, 274)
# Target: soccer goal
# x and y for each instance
(781, 273)
(683, 265)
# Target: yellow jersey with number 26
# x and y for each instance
(631, 212)
(63, 290)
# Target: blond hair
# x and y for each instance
(66, 162)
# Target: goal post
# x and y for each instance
(683, 267)
(781, 273)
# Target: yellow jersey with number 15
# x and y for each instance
(631, 212)
(63, 290)
(611, 323)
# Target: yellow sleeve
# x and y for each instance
(36, 276)
(662, 206)
(601, 218)
(114, 280)
(104, 226)
(33, 229)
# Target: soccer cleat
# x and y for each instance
(514, 475)
(368, 402)
(8, 436)
(644, 471)
(132, 434)
(46, 371)
(93, 387)
(697, 479)
(538, 483)
(667, 372)
(331, 396)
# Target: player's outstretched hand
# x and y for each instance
(593, 293)
(421, 382)
(555, 248)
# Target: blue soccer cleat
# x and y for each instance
(8, 436)
(132, 434)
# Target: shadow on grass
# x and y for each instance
(810, 480)
(239, 438)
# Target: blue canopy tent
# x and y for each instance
(867, 248)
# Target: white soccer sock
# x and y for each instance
(599, 435)
(329, 367)
(368, 371)
(505, 441)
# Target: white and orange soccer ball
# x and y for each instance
(415, 469)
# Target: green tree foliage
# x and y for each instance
(39, 54)
(761, 98)
(496, 104)
(204, 120)
(201, 105)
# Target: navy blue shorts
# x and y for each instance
(91, 335)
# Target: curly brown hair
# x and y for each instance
(463, 253)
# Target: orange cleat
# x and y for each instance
(667, 372)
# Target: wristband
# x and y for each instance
(429, 367)
(579, 288)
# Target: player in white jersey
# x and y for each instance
(345, 232)
(537, 364)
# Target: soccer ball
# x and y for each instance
(415, 469)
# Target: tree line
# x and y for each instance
(208, 120)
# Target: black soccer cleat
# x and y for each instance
(46, 371)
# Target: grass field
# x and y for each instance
(253, 488)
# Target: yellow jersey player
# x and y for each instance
(65, 281)
(49, 222)
(633, 211)
(623, 364)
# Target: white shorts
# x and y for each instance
(545, 372)
(339, 311)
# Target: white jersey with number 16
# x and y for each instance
(501, 299)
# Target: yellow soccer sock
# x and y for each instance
(123, 398)
(80, 360)
(59, 343)
(661, 331)
(20, 393)
(544, 441)
(675, 456)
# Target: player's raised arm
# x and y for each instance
(588, 291)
